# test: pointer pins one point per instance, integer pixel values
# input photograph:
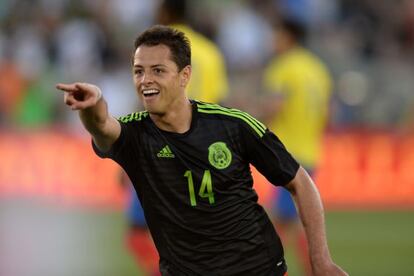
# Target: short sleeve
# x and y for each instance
(120, 146)
(270, 157)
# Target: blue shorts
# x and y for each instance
(135, 212)
(283, 206)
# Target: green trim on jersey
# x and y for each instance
(257, 126)
(136, 116)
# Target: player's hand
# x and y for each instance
(80, 96)
(329, 269)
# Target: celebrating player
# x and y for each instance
(189, 162)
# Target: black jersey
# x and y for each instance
(197, 193)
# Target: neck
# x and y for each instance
(177, 119)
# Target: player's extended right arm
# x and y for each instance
(93, 112)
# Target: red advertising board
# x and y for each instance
(357, 170)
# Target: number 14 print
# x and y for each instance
(206, 188)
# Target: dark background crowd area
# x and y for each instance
(368, 46)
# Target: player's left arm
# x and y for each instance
(309, 204)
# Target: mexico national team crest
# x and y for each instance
(219, 155)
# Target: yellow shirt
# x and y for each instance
(305, 85)
(209, 78)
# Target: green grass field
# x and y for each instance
(370, 242)
(59, 242)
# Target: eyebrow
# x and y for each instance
(152, 66)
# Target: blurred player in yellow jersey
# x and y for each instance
(209, 79)
(295, 106)
(209, 84)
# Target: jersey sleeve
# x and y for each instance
(121, 147)
(270, 157)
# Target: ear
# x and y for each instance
(185, 76)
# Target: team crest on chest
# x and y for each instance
(219, 155)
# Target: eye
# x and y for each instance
(158, 70)
(138, 72)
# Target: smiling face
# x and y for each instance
(158, 81)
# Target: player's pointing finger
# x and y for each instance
(67, 87)
(85, 86)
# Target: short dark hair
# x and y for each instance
(175, 40)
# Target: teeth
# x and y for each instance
(150, 91)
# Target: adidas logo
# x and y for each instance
(165, 153)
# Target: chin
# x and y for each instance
(153, 110)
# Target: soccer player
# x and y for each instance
(189, 162)
(208, 83)
(296, 105)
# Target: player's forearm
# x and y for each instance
(95, 117)
(311, 213)
(103, 127)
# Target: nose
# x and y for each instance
(147, 78)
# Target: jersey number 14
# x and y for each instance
(206, 188)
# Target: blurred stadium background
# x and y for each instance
(61, 209)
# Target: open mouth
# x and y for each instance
(148, 93)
